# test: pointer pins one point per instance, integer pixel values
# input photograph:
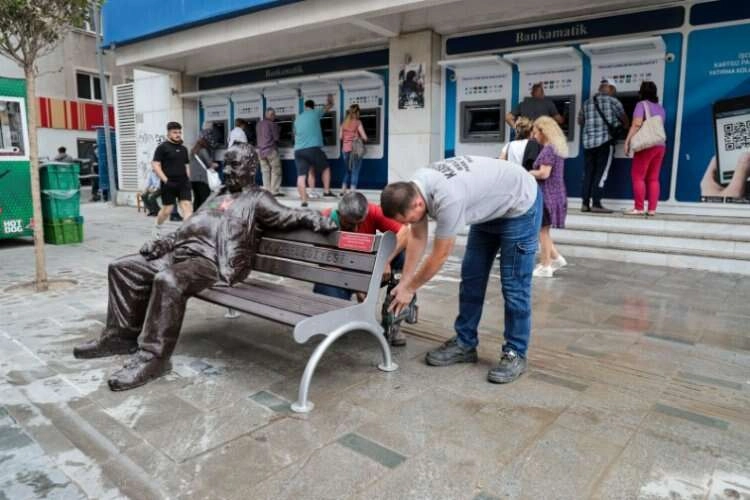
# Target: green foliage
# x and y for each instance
(30, 29)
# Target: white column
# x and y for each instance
(414, 134)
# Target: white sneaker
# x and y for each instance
(543, 271)
(559, 263)
(156, 232)
(313, 194)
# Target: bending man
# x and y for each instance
(503, 206)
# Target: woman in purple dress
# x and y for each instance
(548, 170)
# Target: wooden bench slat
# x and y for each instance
(293, 250)
(359, 282)
(219, 296)
(293, 291)
(307, 236)
(307, 306)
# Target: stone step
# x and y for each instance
(720, 244)
(656, 257)
(672, 243)
(716, 228)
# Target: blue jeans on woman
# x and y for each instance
(517, 240)
(352, 170)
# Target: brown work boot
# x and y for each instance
(140, 369)
(110, 343)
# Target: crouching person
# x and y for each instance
(148, 291)
(355, 214)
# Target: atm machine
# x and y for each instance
(285, 101)
(483, 93)
(625, 64)
(248, 106)
(368, 90)
(216, 116)
(561, 72)
(329, 124)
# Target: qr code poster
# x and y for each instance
(733, 145)
(411, 86)
(736, 135)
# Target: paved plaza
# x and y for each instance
(638, 388)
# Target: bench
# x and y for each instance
(349, 260)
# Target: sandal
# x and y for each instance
(634, 212)
(650, 214)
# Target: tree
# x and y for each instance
(30, 29)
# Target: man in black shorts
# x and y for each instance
(172, 165)
(308, 148)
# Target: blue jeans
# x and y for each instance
(352, 174)
(517, 240)
(397, 265)
(332, 291)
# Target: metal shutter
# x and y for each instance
(127, 155)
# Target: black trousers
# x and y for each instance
(201, 192)
(596, 167)
(147, 298)
(150, 201)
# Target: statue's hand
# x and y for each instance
(154, 249)
(325, 225)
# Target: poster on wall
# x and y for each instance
(411, 86)
(714, 162)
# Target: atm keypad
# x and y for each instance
(365, 100)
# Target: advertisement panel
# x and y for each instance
(714, 160)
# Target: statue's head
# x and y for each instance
(240, 165)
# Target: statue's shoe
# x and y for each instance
(140, 369)
(106, 345)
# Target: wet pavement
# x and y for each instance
(638, 387)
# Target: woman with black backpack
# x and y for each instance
(353, 140)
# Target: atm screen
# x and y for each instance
(628, 100)
(286, 130)
(482, 121)
(328, 127)
(370, 119)
(219, 130)
(566, 106)
(251, 124)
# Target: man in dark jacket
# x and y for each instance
(148, 291)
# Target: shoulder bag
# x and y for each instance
(615, 132)
(650, 134)
(358, 145)
(214, 182)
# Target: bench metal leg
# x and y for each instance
(231, 314)
(302, 405)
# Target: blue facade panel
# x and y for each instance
(128, 21)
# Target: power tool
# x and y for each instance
(390, 321)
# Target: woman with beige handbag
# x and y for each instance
(647, 142)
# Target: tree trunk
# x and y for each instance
(36, 200)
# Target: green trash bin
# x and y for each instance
(60, 176)
(64, 231)
(60, 204)
(61, 196)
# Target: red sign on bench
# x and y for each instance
(357, 241)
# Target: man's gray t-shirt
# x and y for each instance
(474, 189)
(532, 108)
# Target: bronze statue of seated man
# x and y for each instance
(148, 291)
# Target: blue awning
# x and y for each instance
(129, 21)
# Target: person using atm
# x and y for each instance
(534, 107)
(308, 148)
(600, 118)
